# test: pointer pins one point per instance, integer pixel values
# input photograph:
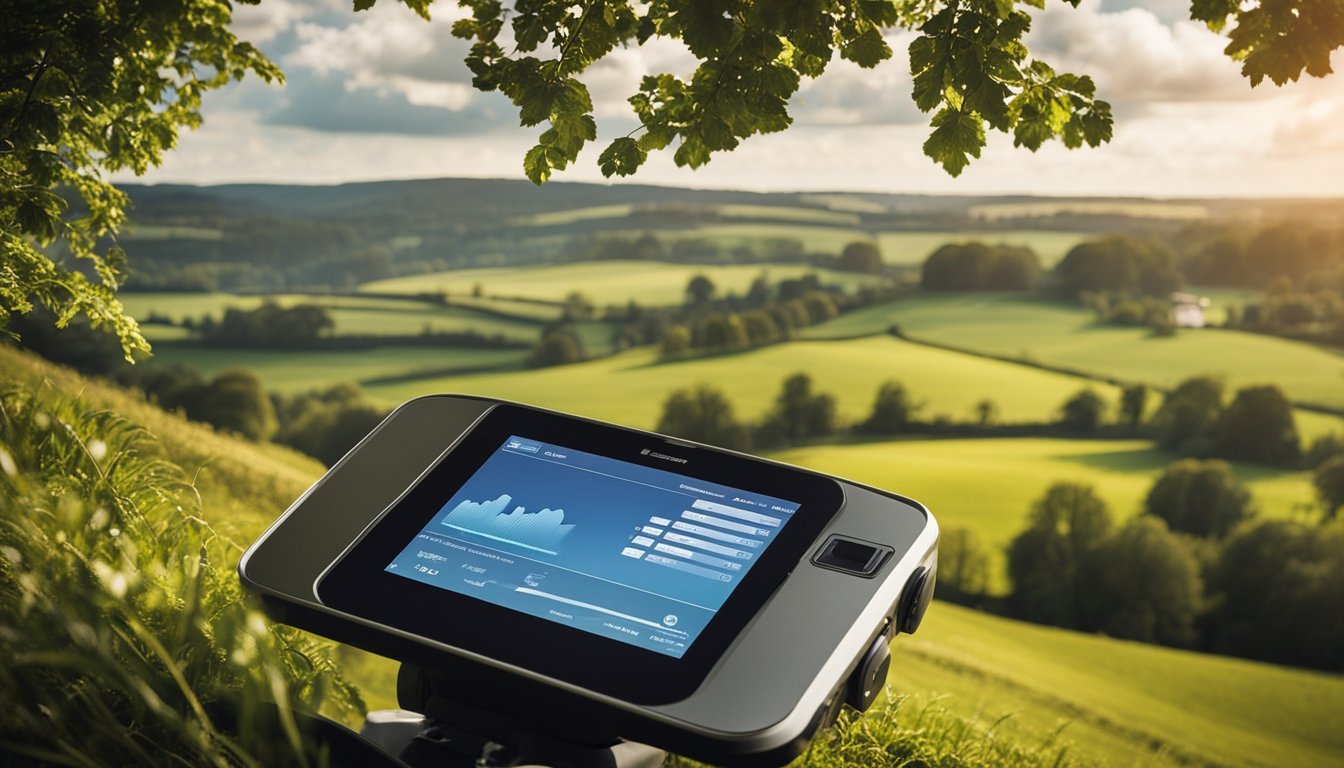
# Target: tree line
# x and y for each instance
(1174, 575)
(1198, 568)
(709, 320)
(1128, 280)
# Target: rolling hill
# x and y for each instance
(1102, 700)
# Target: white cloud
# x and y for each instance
(266, 21)
(1135, 58)
(1187, 122)
(389, 49)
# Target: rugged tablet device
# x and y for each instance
(592, 582)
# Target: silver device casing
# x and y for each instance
(776, 684)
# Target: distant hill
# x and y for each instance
(272, 237)
(1100, 700)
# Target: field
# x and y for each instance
(912, 248)
(1123, 703)
(1110, 702)
(1147, 209)
(1066, 335)
(604, 282)
(292, 372)
(988, 485)
(352, 315)
(629, 388)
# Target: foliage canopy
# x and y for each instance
(89, 88)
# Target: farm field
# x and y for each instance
(1062, 334)
(989, 484)
(1112, 702)
(352, 315)
(912, 248)
(730, 211)
(1122, 703)
(629, 388)
(292, 372)
(605, 282)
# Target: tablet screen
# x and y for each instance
(637, 554)
(612, 559)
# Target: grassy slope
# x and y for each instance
(352, 315)
(1117, 701)
(604, 282)
(302, 371)
(1128, 701)
(1063, 334)
(629, 388)
(988, 485)
(912, 248)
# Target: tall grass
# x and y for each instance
(909, 732)
(125, 636)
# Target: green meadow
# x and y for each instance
(1103, 701)
(1122, 703)
(629, 388)
(352, 315)
(291, 372)
(989, 484)
(912, 248)
(1066, 335)
(604, 282)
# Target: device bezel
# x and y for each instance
(358, 584)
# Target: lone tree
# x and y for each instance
(1066, 526)
(1189, 412)
(1203, 498)
(1082, 412)
(860, 256)
(1329, 481)
(1143, 584)
(699, 290)
(963, 566)
(704, 414)
(799, 413)
(893, 408)
(1133, 402)
(1258, 426)
(90, 87)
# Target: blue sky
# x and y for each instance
(383, 94)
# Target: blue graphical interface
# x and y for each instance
(637, 554)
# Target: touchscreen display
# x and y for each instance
(642, 555)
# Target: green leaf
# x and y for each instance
(867, 50)
(535, 166)
(364, 5)
(956, 137)
(621, 158)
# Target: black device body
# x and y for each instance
(806, 629)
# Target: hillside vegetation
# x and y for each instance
(1065, 334)
(633, 384)
(1065, 697)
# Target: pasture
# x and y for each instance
(912, 248)
(1107, 701)
(629, 388)
(1118, 702)
(606, 282)
(989, 484)
(1066, 335)
(291, 372)
(352, 315)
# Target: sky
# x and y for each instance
(382, 94)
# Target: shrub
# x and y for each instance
(1203, 498)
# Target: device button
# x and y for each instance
(870, 676)
(861, 558)
(915, 600)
